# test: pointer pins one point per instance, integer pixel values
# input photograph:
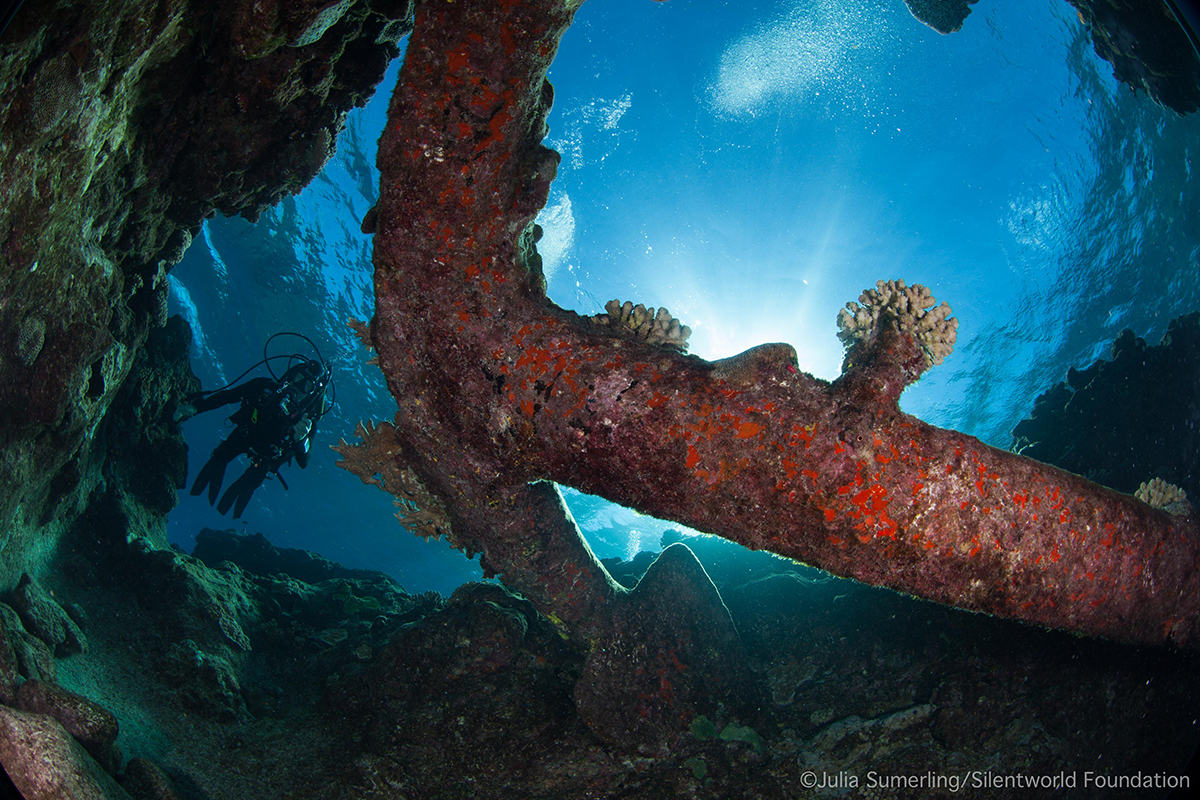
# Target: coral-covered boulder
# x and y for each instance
(92, 725)
(31, 742)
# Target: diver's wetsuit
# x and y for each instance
(265, 430)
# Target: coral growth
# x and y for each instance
(756, 364)
(644, 324)
(56, 90)
(908, 309)
(123, 126)
(1160, 494)
(31, 335)
(376, 462)
(363, 331)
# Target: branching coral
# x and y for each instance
(376, 462)
(908, 309)
(363, 331)
(1160, 494)
(644, 324)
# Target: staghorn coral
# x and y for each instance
(1160, 494)
(910, 309)
(644, 324)
(375, 463)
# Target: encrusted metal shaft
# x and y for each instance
(497, 387)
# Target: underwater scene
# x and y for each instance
(348, 448)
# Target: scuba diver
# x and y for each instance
(275, 424)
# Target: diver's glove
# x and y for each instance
(187, 407)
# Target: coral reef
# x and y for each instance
(255, 554)
(265, 673)
(351, 689)
(46, 619)
(644, 324)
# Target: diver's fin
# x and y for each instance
(212, 474)
(239, 492)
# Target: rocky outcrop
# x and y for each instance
(253, 553)
(1125, 420)
(1146, 44)
(46, 619)
(122, 126)
(944, 16)
(146, 461)
(344, 686)
(1144, 40)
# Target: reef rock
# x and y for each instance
(10, 671)
(1147, 47)
(146, 460)
(145, 780)
(255, 554)
(33, 656)
(46, 619)
(673, 653)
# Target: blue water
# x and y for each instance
(753, 166)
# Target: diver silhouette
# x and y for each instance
(275, 424)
